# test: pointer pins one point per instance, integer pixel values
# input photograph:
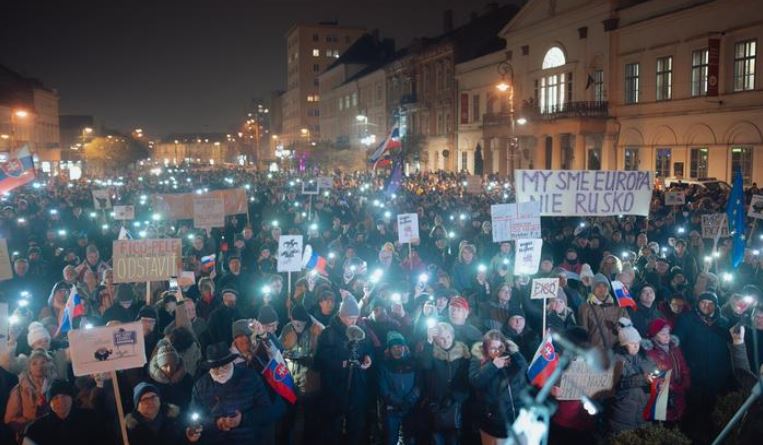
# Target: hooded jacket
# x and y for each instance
(175, 389)
(165, 429)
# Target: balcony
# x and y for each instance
(407, 99)
(496, 119)
(569, 110)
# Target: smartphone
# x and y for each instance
(173, 283)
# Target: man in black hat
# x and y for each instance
(125, 309)
(232, 403)
(65, 423)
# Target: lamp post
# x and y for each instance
(506, 85)
(15, 115)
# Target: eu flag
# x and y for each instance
(736, 218)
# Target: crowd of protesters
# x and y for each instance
(425, 343)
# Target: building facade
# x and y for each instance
(212, 149)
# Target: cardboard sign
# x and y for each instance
(137, 261)
(527, 256)
(715, 225)
(515, 221)
(579, 380)
(289, 253)
(6, 272)
(106, 349)
(124, 212)
(407, 227)
(186, 279)
(677, 198)
(310, 187)
(101, 199)
(325, 182)
(586, 192)
(473, 184)
(756, 207)
(543, 288)
(180, 205)
(208, 212)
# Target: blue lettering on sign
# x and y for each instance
(122, 337)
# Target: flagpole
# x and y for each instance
(544, 315)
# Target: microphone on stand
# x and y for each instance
(597, 359)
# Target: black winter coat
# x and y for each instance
(445, 375)
(77, 428)
(167, 430)
(398, 385)
(706, 349)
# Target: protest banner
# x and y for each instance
(527, 256)
(124, 212)
(146, 260)
(5, 325)
(586, 192)
(675, 198)
(105, 349)
(289, 253)
(515, 221)
(407, 227)
(208, 212)
(756, 207)
(180, 205)
(325, 182)
(473, 184)
(6, 273)
(715, 225)
(579, 380)
(543, 288)
(101, 199)
(310, 187)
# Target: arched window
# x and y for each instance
(554, 88)
(554, 57)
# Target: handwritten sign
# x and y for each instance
(676, 198)
(208, 212)
(586, 192)
(6, 273)
(515, 221)
(715, 225)
(289, 253)
(310, 187)
(473, 184)
(146, 260)
(527, 256)
(180, 205)
(101, 199)
(407, 227)
(106, 349)
(543, 288)
(325, 182)
(756, 207)
(124, 212)
(579, 380)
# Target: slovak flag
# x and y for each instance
(543, 364)
(659, 392)
(392, 141)
(623, 296)
(275, 371)
(17, 171)
(207, 263)
(75, 308)
(312, 261)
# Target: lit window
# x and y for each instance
(631, 83)
(554, 58)
(698, 162)
(741, 160)
(744, 65)
(699, 66)
(664, 78)
(316, 52)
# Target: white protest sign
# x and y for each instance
(106, 349)
(6, 273)
(407, 227)
(310, 187)
(4, 327)
(474, 184)
(289, 253)
(515, 221)
(186, 278)
(527, 256)
(543, 288)
(586, 192)
(124, 212)
(325, 182)
(756, 207)
(676, 198)
(208, 212)
(579, 380)
(713, 223)
(101, 199)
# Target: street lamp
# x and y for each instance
(15, 115)
(506, 85)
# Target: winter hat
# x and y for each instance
(600, 278)
(627, 333)
(516, 312)
(299, 313)
(657, 325)
(147, 312)
(141, 389)
(561, 295)
(585, 271)
(59, 387)
(395, 338)
(675, 271)
(349, 307)
(36, 333)
(166, 354)
(711, 296)
(241, 327)
(267, 314)
(459, 301)
(124, 292)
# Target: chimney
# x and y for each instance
(447, 20)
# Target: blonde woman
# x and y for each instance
(26, 402)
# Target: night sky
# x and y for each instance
(183, 66)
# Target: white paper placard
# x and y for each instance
(289, 253)
(543, 288)
(711, 224)
(101, 199)
(756, 207)
(675, 198)
(208, 212)
(527, 256)
(106, 349)
(515, 221)
(407, 227)
(124, 212)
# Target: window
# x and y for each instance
(379, 92)
(341, 104)
(354, 99)
(662, 163)
(593, 149)
(698, 162)
(347, 102)
(597, 83)
(553, 92)
(741, 159)
(554, 58)
(309, 98)
(315, 37)
(464, 160)
(699, 72)
(315, 82)
(476, 108)
(316, 68)
(631, 83)
(664, 77)
(631, 158)
(744, 65)
(316, 52)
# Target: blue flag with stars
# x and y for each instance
(736, 217)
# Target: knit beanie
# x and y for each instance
(141, 389)
(241, 327)
(299, 313)
(600, 278)
(516, 312)
(349, 307)
(395, 338)
(58, 387)
(586, 271)
(166, 354)
(657, 325)
(124, 292)
(36, 333)
(267, 314)
(627, 333)
(147, 312)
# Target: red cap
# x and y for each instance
(656, 326)
(459, 302)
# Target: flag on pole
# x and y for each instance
(623, 295)
(392, 141)
(207, 263)
(17, 171)
(312, 261)
(395, 177)
(543, 363)
(274, 369)
(75, 308)
(736, 217)
(124, 234)
(657, 405)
